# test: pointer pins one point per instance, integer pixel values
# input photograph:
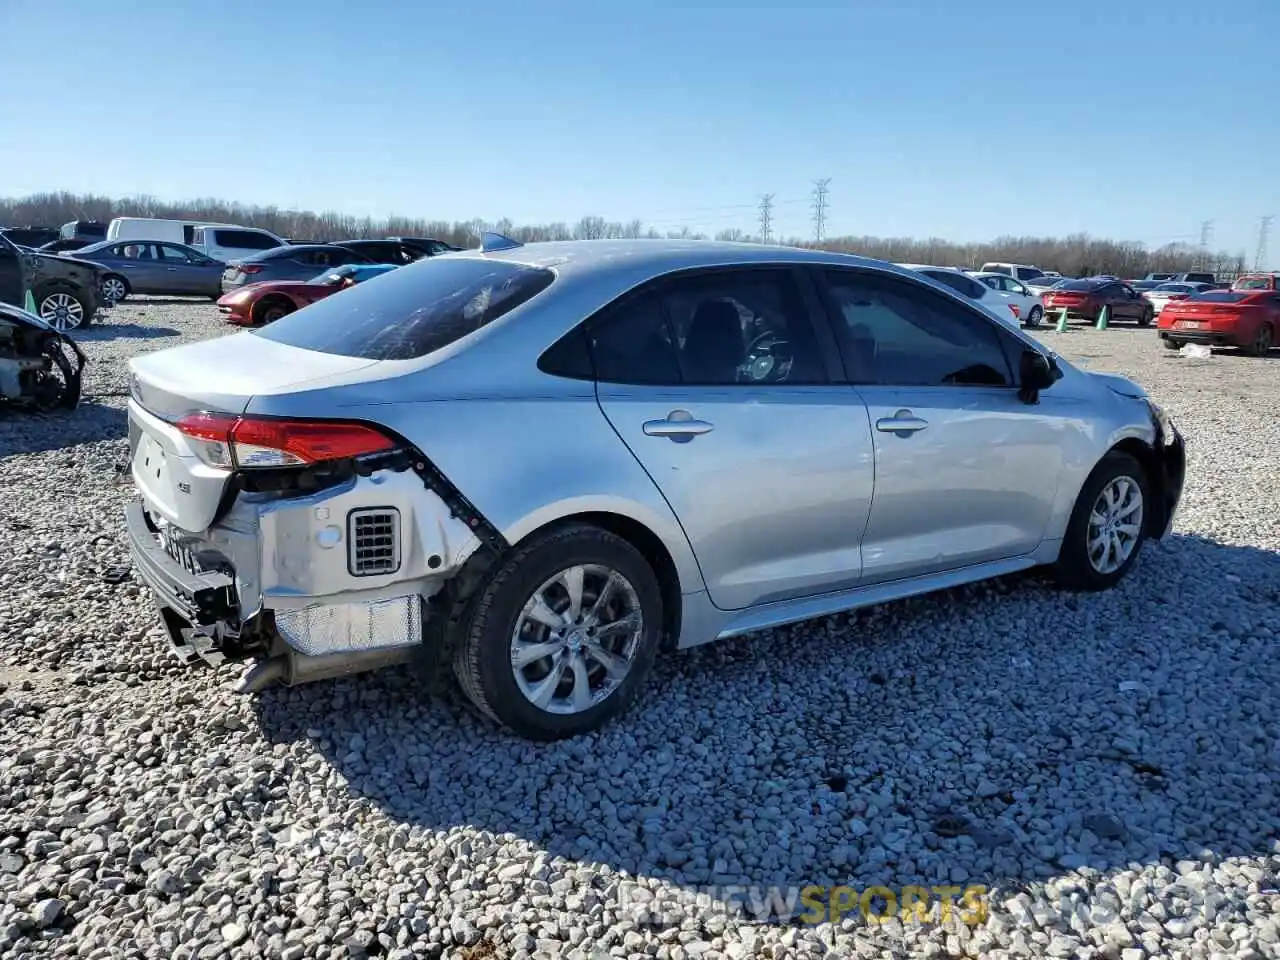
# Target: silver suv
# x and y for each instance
(554, 462)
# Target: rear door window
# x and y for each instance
(412, 311)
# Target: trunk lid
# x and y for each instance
(217, 376)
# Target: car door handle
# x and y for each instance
(904, 421)
(679, 426)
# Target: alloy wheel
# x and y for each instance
(576, 638)
(1115, 524)
(62, 311)
(113, 289)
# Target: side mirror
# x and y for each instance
(1034, 374)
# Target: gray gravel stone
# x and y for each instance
(168, 817)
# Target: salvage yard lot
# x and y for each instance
(1061, 749)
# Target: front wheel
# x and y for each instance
(1107, 527)
(114, 289)
(1034, 317)
(563, 634)
(1147, 316)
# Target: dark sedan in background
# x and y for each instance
(1084, 300)
(297, 262)
(134, 266)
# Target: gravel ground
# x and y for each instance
(1106, 767)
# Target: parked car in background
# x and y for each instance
(431, 244)
(1160, 295)
(967, 286)
(220, 241)
(697, 380)
(1026, 304)
(1084, 300)
(395, 252)
(1019, 271)
(67, 293)
(1142, 286)
(1257, 281)
(256, 304)
(300, 261)
(91, 231)
(1249, 319)
(1158, 277)
(1040, 284)
(1195, 277)
(30, 237)
(65, 246)
(150, 268)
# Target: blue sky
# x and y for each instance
(1133, 119)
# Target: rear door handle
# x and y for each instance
(679, 426)
(902, 422)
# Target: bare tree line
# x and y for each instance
(1075, 255)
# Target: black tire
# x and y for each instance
(114, 280)
(1263, 342)
(271, 309)
(482, 643)
(51, 292)
(1171, 344)
(1147, 316)
(1034, 317)
(1073, 569)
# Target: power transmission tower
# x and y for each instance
(766, 218)
(820, 208)
(1206, 237)
(1264, 232)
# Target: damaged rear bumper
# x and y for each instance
(310, 587)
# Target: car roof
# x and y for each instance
(653, 257)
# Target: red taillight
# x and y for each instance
(248, 442)
(1014, 309)
(250, 268)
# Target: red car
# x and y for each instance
(257, 303)
(1223, 318)
(1084, 300)
(1257, 281)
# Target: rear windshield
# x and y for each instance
(1083, 285)
(411, 311)
(1220, 296)
(1177, 288)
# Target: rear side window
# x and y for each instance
(966, 286)
(243, 239)
(412, 311)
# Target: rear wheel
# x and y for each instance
(272, 309)
(563, 634)
(1146, 318)
(1263, 342)
(1107, 527)
(63, 308)
(1034, 317)
(1171, 344)
(115, 289)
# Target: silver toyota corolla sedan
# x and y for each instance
(553, 463)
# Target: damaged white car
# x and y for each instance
(551, 462)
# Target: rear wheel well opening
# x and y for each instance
(270, 302)
(1142, 452)
(655, 552)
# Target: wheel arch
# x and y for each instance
(675, 569)
(267, 299)
(1155, 516)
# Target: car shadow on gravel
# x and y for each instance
(90, 422)
(998, 735)
(102, 331)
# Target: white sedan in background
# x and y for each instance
(1026, 303)
(1161, 295)
(960, 281)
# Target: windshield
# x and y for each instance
(411, 311)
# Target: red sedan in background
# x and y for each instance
(257, 303)
(1223, 318)
(1084, 300)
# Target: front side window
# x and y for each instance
(413, 310)
(899, 333)
(732, 328)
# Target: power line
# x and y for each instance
(820, 208)
(1264, 232)
(766, 218)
